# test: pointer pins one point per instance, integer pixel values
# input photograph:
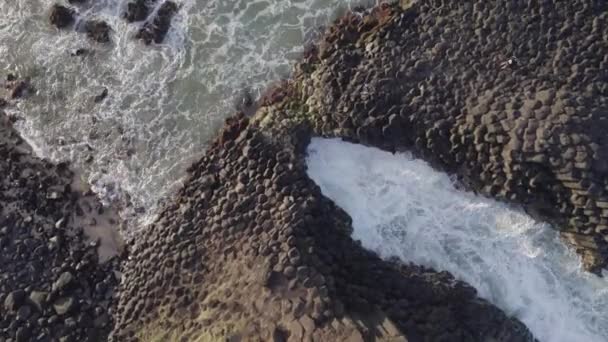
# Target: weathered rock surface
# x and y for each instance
(52, 285)
(512, 96)
(251, 250)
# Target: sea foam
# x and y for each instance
(403, 208)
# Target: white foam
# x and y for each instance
(170, 99)
(401, 207)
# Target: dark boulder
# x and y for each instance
(156, 30)
(138, 10)
(61, 16)
(98, 30)
(101, 96)
(80, 52)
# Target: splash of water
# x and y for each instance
(403, 208)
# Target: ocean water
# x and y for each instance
(164, 102)
(403, 208)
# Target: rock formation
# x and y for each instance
(251, 250)
(512, 96)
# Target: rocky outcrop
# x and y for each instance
(251, 250)
(511, 96)
(53, 285)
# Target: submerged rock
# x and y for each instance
(80, 52)
(18, 87)
(21, 88)
(138, 10)
(102, 96)
(98, 31)
(156, 29)
(61, 16)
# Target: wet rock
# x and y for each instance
(21, 89)
(61, 16)
(101, 96)
(98, 31)
(80, 52)
(156, 29)
(138, 10)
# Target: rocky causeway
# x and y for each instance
(510, 97)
